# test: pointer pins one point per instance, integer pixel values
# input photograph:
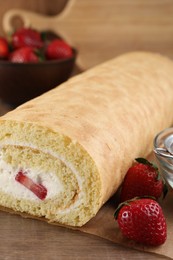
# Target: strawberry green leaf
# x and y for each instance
(119, 207)
(40, 54)
(165, 190)
(143, 161)
(43, 35)
(146, 162)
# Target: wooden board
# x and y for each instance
(45, 7)
(101, 29)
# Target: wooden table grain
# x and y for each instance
(28, 239)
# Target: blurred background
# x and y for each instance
(101, 30)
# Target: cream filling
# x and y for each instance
(9, 185)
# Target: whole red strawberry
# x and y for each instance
(4, 49)
(58, 49)
(142, 179)
(26, 37)
(143, 221)
(22, 55)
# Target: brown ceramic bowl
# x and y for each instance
(20, 82)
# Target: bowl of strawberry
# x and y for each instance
(32, 63)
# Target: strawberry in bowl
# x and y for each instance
(26, 37)
(58, 49)
(24, 54)
(26, 70)
(4, 48)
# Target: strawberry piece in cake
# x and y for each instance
(38, 189)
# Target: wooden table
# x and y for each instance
(27, 239)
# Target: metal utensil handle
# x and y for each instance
(163, 153)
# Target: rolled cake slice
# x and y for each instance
(65, 153)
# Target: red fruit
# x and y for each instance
(142, 179)
(142, 220)
(4, 49)
(25, 54)
(58, 49)
(38, 189)
(26, 37)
